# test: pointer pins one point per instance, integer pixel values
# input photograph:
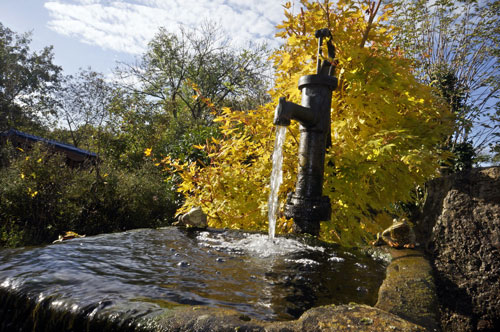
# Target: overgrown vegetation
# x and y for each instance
(42, 197)
(418, 90)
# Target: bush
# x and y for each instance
(41, 197)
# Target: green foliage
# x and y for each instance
(386, 128)
(445, 80)
(136, 130)
(41, 197)
(31, 189)
(496, 154)
(181, 141)
(464, 156)
(27, 80)
(159, 108)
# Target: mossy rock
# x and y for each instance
(352, 317)
(409, 290)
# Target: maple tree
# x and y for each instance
(386, 130)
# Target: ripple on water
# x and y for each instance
(141, 271)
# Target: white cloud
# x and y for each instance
(127, 25)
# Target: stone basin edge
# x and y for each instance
(406, 302)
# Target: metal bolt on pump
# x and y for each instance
(307, 205)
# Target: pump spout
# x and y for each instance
(287, 111)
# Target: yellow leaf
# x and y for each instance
(379, 114)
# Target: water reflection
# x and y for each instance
(142, 271)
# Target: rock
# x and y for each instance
(195, 218)
(341, 318)
(409, 290)
(399, 235)
(460, 226)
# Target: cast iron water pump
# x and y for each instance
(307, 205)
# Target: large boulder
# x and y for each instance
(460, 229)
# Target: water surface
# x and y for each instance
(143, 271)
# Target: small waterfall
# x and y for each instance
(276, 178)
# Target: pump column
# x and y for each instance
(306, 205)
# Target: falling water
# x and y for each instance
(276, 178)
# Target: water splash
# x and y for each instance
(256, 245)
(276, 179)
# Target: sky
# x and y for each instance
(100, 33)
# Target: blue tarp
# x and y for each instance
(62, 146)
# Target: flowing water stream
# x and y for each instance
(142, 272)
(276, 179)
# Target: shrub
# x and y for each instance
(41, 197)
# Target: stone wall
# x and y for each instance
(460, 230)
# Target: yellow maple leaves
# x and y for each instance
(386, 130)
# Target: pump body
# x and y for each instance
(307, 205)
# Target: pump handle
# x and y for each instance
(324, 66)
